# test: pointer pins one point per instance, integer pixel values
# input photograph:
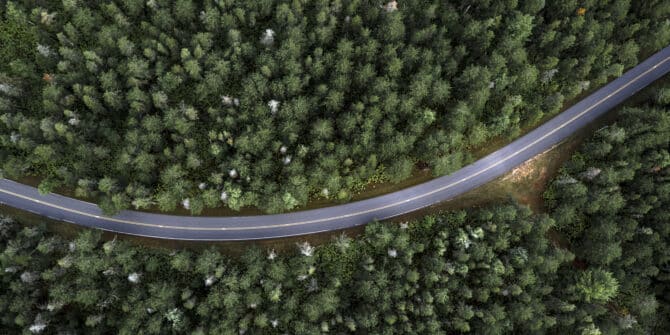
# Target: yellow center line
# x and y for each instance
(355, 213)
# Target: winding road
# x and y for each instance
(352, 214)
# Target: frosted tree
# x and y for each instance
(134, 277)
(306, 249)
(268, 37)
(274, 106)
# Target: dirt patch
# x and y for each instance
(528, 170)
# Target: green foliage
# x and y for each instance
(134, 89)
(596, 285)
(400, 280)
(611, 202)
(487, 271)
(18, 38)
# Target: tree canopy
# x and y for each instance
(485, 272)
(596, 263)
(268, 103)
(612, 202)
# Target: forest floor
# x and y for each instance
(525, 184)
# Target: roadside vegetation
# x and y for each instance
(268, 103)
(597, 262)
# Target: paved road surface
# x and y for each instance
(351, 214)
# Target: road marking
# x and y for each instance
(299, 223)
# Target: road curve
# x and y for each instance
(352, 214)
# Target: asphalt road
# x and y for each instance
(352, 214)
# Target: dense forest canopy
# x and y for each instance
(268, 103)
(488, 272)
(597, 263)
(612, 202)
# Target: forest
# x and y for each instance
(597, 262)
(612, 203)
(201, 104)
(486, 272)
